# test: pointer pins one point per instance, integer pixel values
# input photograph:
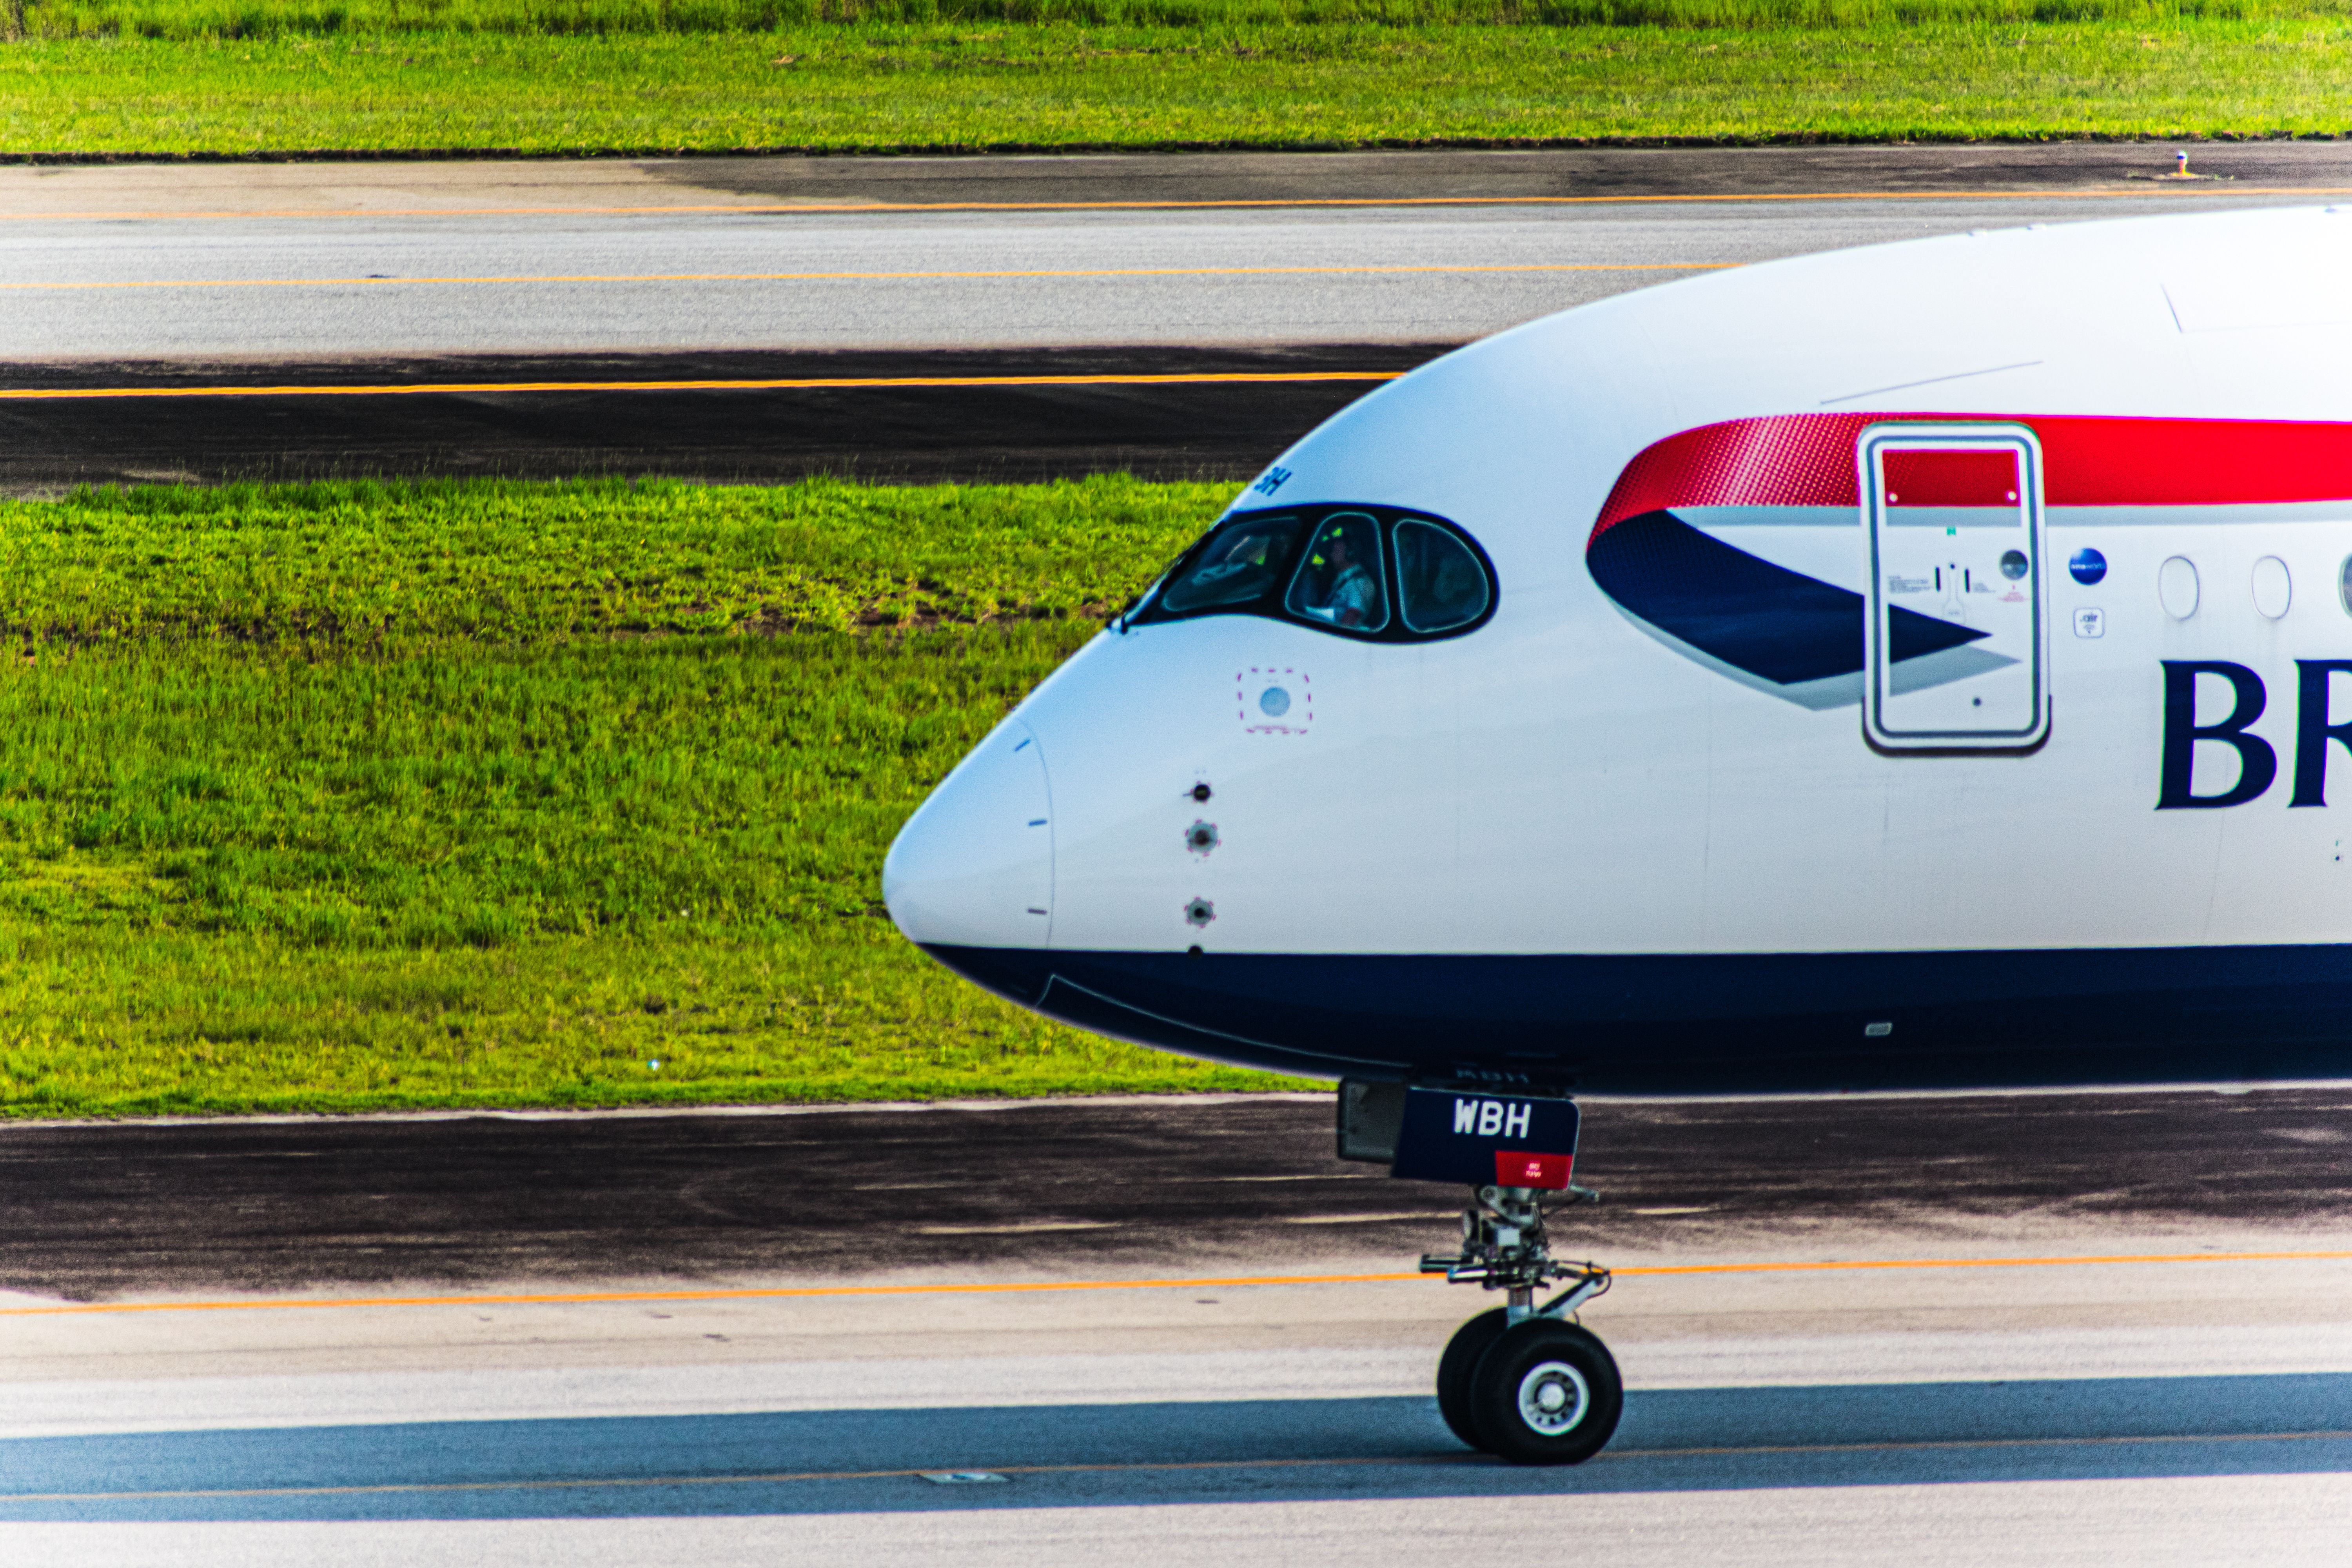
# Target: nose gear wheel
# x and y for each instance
(1521, 1382)
(1455, 1368)
(1546, 1392)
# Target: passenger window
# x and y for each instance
(1440, 585)
(1238, 565)
(1339, 583)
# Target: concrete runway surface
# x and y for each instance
(279, 288)
(2043, 1328)
(164, 281)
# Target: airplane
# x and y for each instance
(1921, 666)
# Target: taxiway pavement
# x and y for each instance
(1194, 1184)
(2047, 1328)
(174, 286)
(274, 287)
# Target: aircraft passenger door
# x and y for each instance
(1954, 630)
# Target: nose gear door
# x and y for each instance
(1954, 656)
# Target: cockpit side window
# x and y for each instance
(1338, 579)
(1236, 565)
(1353, 569)
(1440, 585)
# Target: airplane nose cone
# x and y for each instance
(974, 865)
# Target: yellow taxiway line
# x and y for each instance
(373, 282)
(846, 383)
(2153, 185)
(588, 1298)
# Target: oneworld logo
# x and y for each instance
(2258, 760)
(1494, 1118)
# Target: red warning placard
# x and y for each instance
(1517, 1168)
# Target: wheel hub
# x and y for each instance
(1553, 1398)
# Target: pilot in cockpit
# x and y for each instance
(1340, 587)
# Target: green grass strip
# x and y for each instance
(183, 19)
(350, 797)
(971, 86)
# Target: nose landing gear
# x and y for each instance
(1523, 1381)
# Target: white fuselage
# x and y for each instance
(1573, 778)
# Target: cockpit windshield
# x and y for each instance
(1339, 568)
(1340, 579)
(1440, 584)
(1242, 560)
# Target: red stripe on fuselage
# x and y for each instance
(1807, 459)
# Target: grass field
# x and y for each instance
(239, 19)
(217, 77)
(342, 797)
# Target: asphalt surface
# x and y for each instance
(95, 1212)
(278, 288)
(224, 278)
(1293, 1450)
(2191, 1522)
(1466, 174)
(1602, 173)
(1172, 430)
(587, 283)
(2141, 1393)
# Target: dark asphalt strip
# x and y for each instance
(1220, 430)
(326, 181)
(1548, 174)
(1180, 1185)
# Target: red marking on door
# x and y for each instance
(1519, 1168)
(1926, 475)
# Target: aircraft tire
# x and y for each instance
(1546, 1392)
(1459, 1365)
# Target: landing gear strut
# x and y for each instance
(1522, 1382)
